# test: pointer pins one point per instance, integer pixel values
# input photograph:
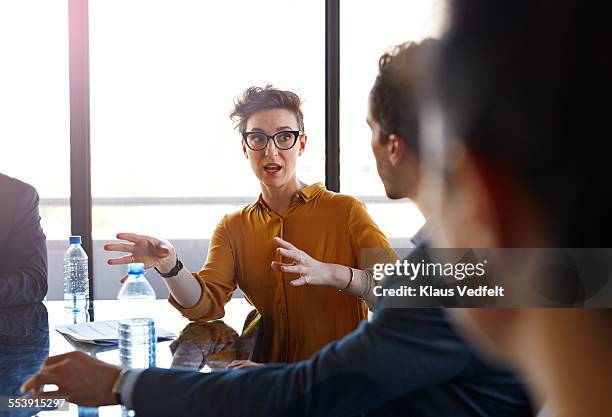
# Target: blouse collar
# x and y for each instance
(306, 194)
(309, 192)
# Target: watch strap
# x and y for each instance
(174, 271)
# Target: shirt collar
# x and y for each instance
(309, 192)
(306, 194)
(422, 236)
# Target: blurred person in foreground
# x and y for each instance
(521, 121)
(23, 250)
(288, 252)
(405, 361)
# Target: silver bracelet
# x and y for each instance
(368, 286)
(350, 280)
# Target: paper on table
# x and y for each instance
(102, 332)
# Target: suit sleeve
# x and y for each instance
(26, 280)
(398, 352)
(217, 279)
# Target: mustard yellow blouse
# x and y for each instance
(297, 321)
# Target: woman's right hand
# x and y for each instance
(152, 252)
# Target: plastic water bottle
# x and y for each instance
(137, 342)
(136, 335)
(136, 347)
(76, 277)
(136, 287)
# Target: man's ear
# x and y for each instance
(484, 207)
(475, 204)
(244, 150)
(303, 139)
(396, 149)
(502, 210)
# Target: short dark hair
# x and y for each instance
(395, 94)
(255, 99)
(527, 86)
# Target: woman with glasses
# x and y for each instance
(301, 255)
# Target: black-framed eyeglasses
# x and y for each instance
(284, 140)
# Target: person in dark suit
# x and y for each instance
(523, 161)
(23, 251)
(403, 362)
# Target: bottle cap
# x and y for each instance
(74, 239)
(135, 268)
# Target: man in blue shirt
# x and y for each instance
(403, 362)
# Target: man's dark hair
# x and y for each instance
(394, 97)
(255, 99)
(527, 86)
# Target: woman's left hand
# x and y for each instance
(310, 270)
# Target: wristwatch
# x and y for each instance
(174, 271)
(118, 386)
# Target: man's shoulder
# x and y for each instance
(13, 184)
(402, 309)
(411, 319)
(16, 191)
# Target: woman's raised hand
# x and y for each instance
(152, 252)
(310, 270)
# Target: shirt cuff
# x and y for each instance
(128, 387)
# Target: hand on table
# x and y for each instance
(310, 270)
(152, 252)
(83, 379)
(243, 364)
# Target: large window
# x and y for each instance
(34, 110)
(367, 29)
(35, 127)
(166, 160)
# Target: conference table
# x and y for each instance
(28, 336)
